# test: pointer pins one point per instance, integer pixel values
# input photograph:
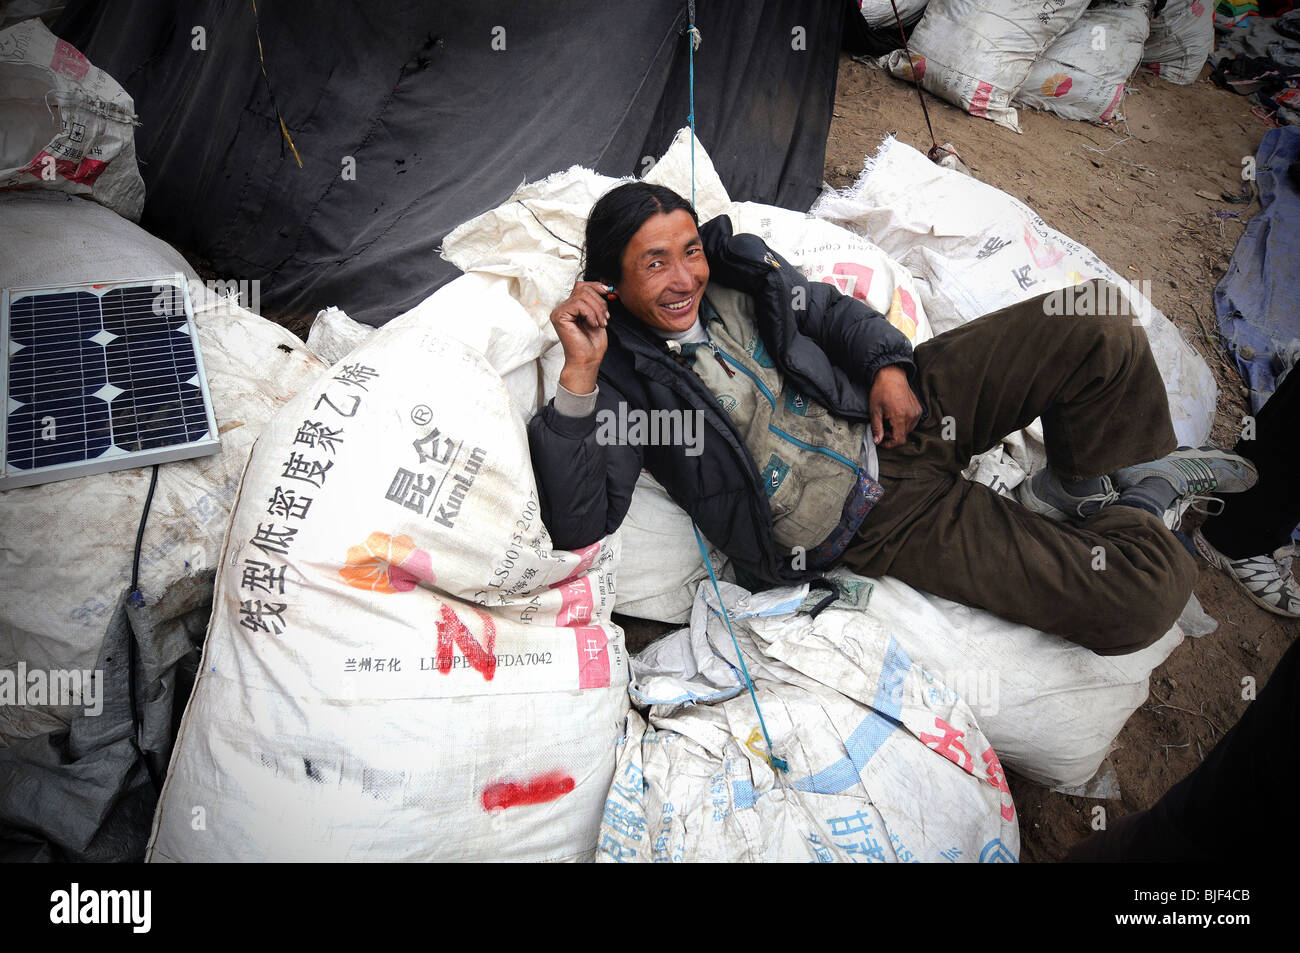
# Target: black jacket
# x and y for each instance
(830, 351)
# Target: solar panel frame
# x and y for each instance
(208, 442)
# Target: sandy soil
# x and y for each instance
(1141, 195)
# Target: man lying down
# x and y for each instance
(810, 432)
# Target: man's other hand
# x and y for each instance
(894, 408)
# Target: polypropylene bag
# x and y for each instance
(399, 665)
(1082, 74)
(885, 762)
(881, 13)
(68, 125)
(1181, 39)
(977, 55)
(974, 249)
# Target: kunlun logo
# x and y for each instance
(103, 906)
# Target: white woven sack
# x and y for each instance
(333, 335)
(1181, 40)
(1051, 708)
(68, 125)
(880, 13)
(885, 762)
(976, 55)
(1082, 74)
(829, 253)
(399, 666)
(974, 249)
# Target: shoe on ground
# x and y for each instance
(1044, 494)
(1193, 471)
(1266, 579)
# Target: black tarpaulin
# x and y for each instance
(443, 110)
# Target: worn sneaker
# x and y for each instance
(1192, 471)
(1266, 579)
(1044, 494)
(1205, 505)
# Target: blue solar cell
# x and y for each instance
(89, 372)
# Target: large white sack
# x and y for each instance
(399, 666)
(827, 252)
(1081, 75)
(68, 125)
(976, 55)
(1051, 708)
(1181, 40)
(333, 334)
(881, 13)
(661, 564)
(886, 763)
(974, 249)
(531, 243)
(66, 548)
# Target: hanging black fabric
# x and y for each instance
(439, 111)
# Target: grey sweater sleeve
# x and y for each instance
(574, 405)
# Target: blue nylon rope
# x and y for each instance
(690, 46)
(773, 760)
(749, 682)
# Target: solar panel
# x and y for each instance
(100, 377)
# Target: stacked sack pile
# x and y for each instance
(1071, 57)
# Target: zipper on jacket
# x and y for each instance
(724, 358)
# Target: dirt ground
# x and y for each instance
(1143, 196)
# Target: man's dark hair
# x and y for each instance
(616, 217)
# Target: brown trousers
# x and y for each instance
(1095, 384)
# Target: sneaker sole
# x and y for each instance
(1220, 561)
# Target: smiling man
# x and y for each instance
(827, 439)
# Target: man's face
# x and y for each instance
(664, 272)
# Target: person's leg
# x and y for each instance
(1114, 583)
(1250, 538)
(1092, 379)
(1264, 517)
(1234, 799)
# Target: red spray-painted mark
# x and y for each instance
(482, 658)
(538, 790)
(1110, 110)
